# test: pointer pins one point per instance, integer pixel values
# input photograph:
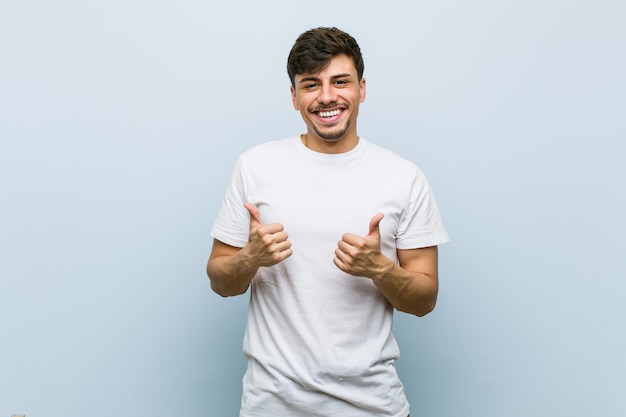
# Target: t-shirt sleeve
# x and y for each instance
(420, 225)
(232, 225)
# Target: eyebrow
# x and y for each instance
(313, 78)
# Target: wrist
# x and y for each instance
(246, 260)
(384, 271)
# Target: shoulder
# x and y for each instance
(271, 148)
(390, 159)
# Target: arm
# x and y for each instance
(231, 269)
(413, 285)
(410, 286)
(228, 269)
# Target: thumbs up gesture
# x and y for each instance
(361, 256)
(268, 244)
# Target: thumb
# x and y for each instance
(255, 217)
(375, 226)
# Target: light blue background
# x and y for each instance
(120, 122)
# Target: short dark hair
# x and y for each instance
(314, 49)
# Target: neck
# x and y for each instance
(330, 146)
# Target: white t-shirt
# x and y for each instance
(318, 340)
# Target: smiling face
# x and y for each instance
(328, 102)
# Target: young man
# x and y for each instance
(330, 233)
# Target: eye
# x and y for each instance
(310, 85)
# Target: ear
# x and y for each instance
(362, 90)
(293, 98)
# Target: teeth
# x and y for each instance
(329, 113)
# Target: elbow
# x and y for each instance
(427, 304)
(219, 291)
(217, 285)
(224, 287)
(421, 309)
(224, 292)
(424, 311)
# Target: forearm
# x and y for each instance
(231, 268)
(410, 292)
(231, 274)
(410, 285)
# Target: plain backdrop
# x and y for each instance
(120, 122)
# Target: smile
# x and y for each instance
(327, 114)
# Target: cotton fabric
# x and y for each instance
(319, 342)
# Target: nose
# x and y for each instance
(327, 94)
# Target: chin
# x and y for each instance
(333, 136)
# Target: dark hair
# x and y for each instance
(314, 49)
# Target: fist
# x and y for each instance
(268, 244)
(361, 255)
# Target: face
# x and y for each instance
(329, 104)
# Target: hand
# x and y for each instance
(268, 244)
(361, 256)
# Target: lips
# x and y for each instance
(331, 113)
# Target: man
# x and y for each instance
(318, 338)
